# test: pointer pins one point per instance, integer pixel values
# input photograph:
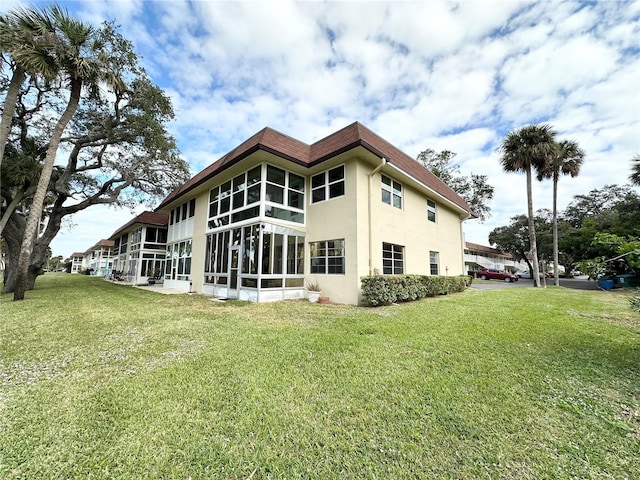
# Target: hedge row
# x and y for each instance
(384, 289)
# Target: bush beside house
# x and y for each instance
(378, 290)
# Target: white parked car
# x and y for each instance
(523, 274)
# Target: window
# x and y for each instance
(327, 185)
(238, 200)
(136, 239)
(327, 257)
(275, 184)
(152, 264)
(155, 238)
(272, 251)
(216, 264)
(391, 192)
(251, 249)
(183, 211)
(431, 210)
(295, 192)
(123, 243)
(278, 258)
(392, 259)
(286, 189)
(178, 261)
(433, 262)
(295, 255)
(234, 196)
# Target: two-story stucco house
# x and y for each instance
(276, 214)
(76, 262)
(140, 247)
(99, 258)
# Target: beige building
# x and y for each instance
(98, 260)
(276, 214)
(139, 249)
(77, 259)
(477, 257)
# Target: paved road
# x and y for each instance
(579, 283)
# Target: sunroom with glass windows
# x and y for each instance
(255, 236)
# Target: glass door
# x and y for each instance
(234, 264)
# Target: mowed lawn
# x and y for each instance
(99, 380)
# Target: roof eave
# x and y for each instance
(234, 161)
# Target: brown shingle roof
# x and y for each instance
(145, 218)
(102, 243)
(298, 152)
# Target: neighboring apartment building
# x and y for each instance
(99, 258)
(77, 260)
(140, 246)
(477, 257)
(275, 214)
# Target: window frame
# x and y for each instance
(178, 257)
(337, 263)
(394, 189)
(396, 255)
(183, 212)
(327, 185)
(432, 210)
(434, 255)
(284, 210)
(244, 197)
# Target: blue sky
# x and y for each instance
(433, 74)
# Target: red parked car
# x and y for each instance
(491, 274)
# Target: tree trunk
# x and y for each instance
(11, 275)
(532, 233)
(529, 265)
(35, 214)
(15, 201)
(10, 270)
(13, 235)
(556, 273)
(9, 107)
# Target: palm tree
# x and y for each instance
(24, 40)
(81, 61)
(523, 150)
(567, 161)
(635, 170)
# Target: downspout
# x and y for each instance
(383, 162)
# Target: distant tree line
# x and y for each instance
(599, 230)
(594, 229)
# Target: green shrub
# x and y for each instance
(384, 290)
(377, 290)
(407, 287)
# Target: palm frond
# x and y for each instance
(635, 170)
(530, 146)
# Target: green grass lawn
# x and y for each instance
(99, 380)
